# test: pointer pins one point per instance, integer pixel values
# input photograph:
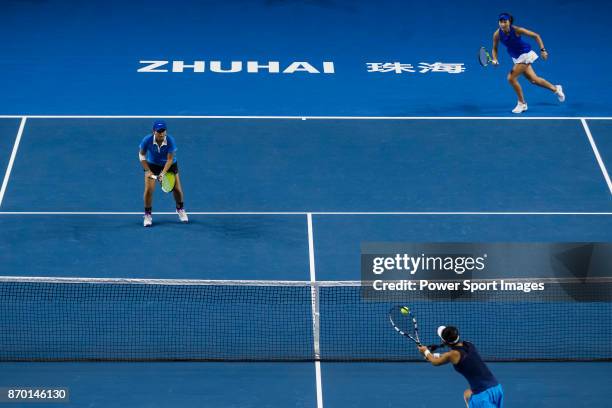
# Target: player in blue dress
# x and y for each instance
(523, 57)
(484, 391)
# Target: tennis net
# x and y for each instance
(64, 319)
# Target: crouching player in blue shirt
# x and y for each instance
(484, 391)
(158, 156)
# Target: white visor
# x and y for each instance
(440, 330)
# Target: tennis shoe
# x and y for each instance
(560, 93)
(148, 220)
(520, 108)
(182, 215)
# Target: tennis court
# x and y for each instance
(285, 176)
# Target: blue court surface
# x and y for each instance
(286, 174)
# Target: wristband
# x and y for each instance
(427, 353)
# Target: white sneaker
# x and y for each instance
(520, 108)
(148, 220)
(560, 93)
(182, 215)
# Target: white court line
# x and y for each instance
(314, 290)
(313, 279)
(416, 213)
(319, 387)
(602, 166)
(9, 168)
(307, 117)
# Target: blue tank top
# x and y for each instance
(515, 44)
(473, 368)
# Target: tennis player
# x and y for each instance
(484, 391)
(158, 156)
(523, 57)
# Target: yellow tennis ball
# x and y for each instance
(404, 310)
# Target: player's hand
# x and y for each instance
(422, 349)
(148, 173)
(161, 176)
(544, 55)
(495, 63)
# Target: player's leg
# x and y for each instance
(178, 197)
(149, 188)
(536, 80)
(467, 394)
(513, 76)
(178, 192)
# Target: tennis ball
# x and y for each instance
(404, 310)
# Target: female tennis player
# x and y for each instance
(158, 156)
(523, 57)
(484, 391)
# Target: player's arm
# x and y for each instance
(494, 47)
(535, 36)
(169, 162)
(452, 356)
(142, 155)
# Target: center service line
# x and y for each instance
(314, 290)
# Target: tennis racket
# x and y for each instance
(167, 182)
(484, 57)
(404, 322)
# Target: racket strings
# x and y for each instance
(484, 57)
(405, 323)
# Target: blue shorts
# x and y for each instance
(490, 398)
